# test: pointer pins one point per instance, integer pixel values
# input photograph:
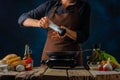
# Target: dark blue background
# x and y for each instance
(104, 29)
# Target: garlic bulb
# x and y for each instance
(108, 65)
(20, 68)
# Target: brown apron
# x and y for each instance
(69, 20)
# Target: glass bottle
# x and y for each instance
(28, 59)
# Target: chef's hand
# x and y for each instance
(44, 22)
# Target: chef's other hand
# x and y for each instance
(63, 27)
(44, 22)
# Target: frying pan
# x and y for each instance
(62, 54)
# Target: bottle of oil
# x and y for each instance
(27, 52)
(28, 59)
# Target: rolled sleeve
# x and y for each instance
(36, 13)
(22, 18)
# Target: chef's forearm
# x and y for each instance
(31, 23)
(72, 34)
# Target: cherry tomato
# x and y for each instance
(100, 68)
(105, 69)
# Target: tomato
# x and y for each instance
(29, 64)
(100, 68)
(105, 69)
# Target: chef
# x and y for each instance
(71, 15)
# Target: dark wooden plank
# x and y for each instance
(26, 75)
(55, 74)
(39, 73)
(21, 76)
(105, 75)
(79, 74)
(8, 75)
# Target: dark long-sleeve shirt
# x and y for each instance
(45, 10)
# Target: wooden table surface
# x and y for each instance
(105, 75)
(45, 73)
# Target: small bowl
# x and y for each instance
(93, 67)
(3, 68)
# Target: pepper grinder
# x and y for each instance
(57, 28)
